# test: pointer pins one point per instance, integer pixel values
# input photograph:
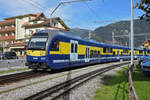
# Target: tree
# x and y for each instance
(144, 5)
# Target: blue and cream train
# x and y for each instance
(57, 49)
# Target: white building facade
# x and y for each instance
(23, 27)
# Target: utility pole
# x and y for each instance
(132, 34)
(113, 37)
(90, 34)
(129, 39)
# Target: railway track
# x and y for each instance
(64, 88)
(8, 79)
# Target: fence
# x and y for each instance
(132, 92)
(12, 63)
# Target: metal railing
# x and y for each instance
(12, 63)
(132, 92)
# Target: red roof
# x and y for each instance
(8, 21)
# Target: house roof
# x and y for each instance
(59, 20)
(146, 42)
(26, 15)
(27, 25)
(11, 21)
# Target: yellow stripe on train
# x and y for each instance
(36, 52)
(64, 48)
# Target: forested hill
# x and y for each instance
(122, 28)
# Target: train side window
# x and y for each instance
(107, 50)
(98, 52)
(94, 53)
(121, 53)
(148, 51)
(114, 54)
(55, 45)
(72, 47)
(91, 54)
(140, 52)
(76, 48)
(104, 49)
(110, 50)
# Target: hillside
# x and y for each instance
(78, 31)
(122, 28)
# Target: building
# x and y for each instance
(146, 44)
(16, 31)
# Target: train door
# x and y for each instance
(74, 50)
(87, 55)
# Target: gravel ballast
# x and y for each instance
(26, 88)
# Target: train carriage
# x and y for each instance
(57, 49)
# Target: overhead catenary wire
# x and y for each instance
(34, 4)
(66, 2)
(97, 16)
(58, 1)
(91, 10)
(37, 3)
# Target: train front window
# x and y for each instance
(37, 43)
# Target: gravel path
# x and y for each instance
(23, 89)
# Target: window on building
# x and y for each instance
(7, 34)
(55, 45)
(55, 23)
(35, 22)
(7, 26)
(30, 32)
(6, 43)
(30, 18)
(13, 25)
(37, 30)
(13, 33)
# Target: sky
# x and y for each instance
(86, 14)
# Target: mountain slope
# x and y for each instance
(123, 28)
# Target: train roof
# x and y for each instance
(71, 35)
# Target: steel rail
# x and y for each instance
(54, 92)
(7, 79)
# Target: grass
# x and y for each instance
(114, 87)
(142, 84)
(13, 70)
